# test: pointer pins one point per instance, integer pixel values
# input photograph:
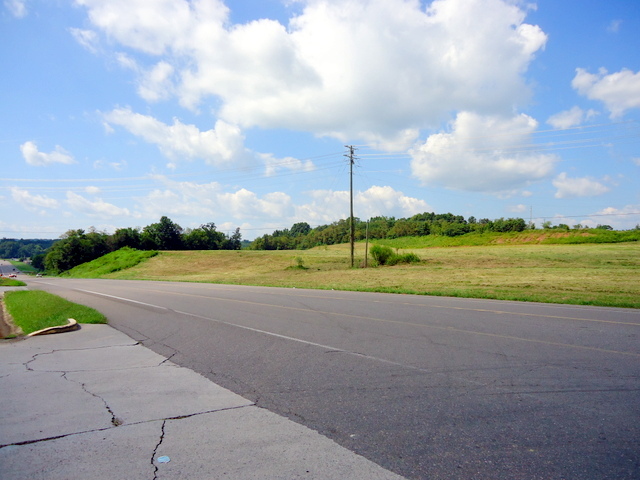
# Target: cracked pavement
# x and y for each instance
(95, 403)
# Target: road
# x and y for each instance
(428, 387)
(6, 268)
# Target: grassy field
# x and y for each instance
(589, 274)
(34, 310)
(112, 262)
(23, 267)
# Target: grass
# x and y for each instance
(23, 267)
(586, 274)
(35, 309)
(112, 262)
(10, 282)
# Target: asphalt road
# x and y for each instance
(428, 387)
(6, 268)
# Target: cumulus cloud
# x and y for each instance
(570, 118)
(399, 68)
(327, 206)
(202, 201)
(619, 91)
(273, 164)
(34, 157)
(619, 218)
(578, 187)
(190, 199)
(32, 202)
(98, 208)
(224, 144)
(482, 154)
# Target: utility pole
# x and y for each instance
(351, 157)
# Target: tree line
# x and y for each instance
(77, 246)
(302, 236)
(23, 249)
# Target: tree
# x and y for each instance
(234, 242)
(73, 249)
(126, 237)
(37, 261)
(204, 238)
(164, 235)
(299, 229)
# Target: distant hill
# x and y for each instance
(23, 248)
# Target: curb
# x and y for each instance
(70, 326)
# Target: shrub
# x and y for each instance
(381, 254)
(404, 258)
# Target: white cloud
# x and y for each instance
(328, 206)
(98, 208)
(87, 38)
(18, 8)
(209, 202)
(578, 187)
(272, 164)
(518, 208)
(482, 154)
(619, 218)
(156, 83)
(570, 118)
(636, 161)
(376, 69)
(32, 202)
(619, 91)
(224, 144)
(36, 158)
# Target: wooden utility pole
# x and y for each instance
(366, 247)
(351, 157)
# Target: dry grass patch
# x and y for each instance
(596, 274)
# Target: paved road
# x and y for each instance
(427, 387)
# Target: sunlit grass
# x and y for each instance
(591, 274)
(112, 262)
(33, 310)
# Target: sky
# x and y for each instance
(115, 113)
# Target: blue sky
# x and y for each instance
(115, 113)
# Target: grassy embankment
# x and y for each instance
(33, 310)
(10, 282)
(24, 267)
(538, 266)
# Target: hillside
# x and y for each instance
(504, 267)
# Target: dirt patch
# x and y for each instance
(7, 328)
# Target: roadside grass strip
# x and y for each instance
(36, 310)
(9, 282)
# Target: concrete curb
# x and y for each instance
(70, 326)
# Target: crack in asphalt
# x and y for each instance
(155, 450)
(115, 421)
(94, 430)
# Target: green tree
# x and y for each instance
(300, 229)
(206, 237)
(164, 235)
(125, 237)
(234, 241)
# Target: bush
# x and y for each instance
(404, 258)
(381, 254)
